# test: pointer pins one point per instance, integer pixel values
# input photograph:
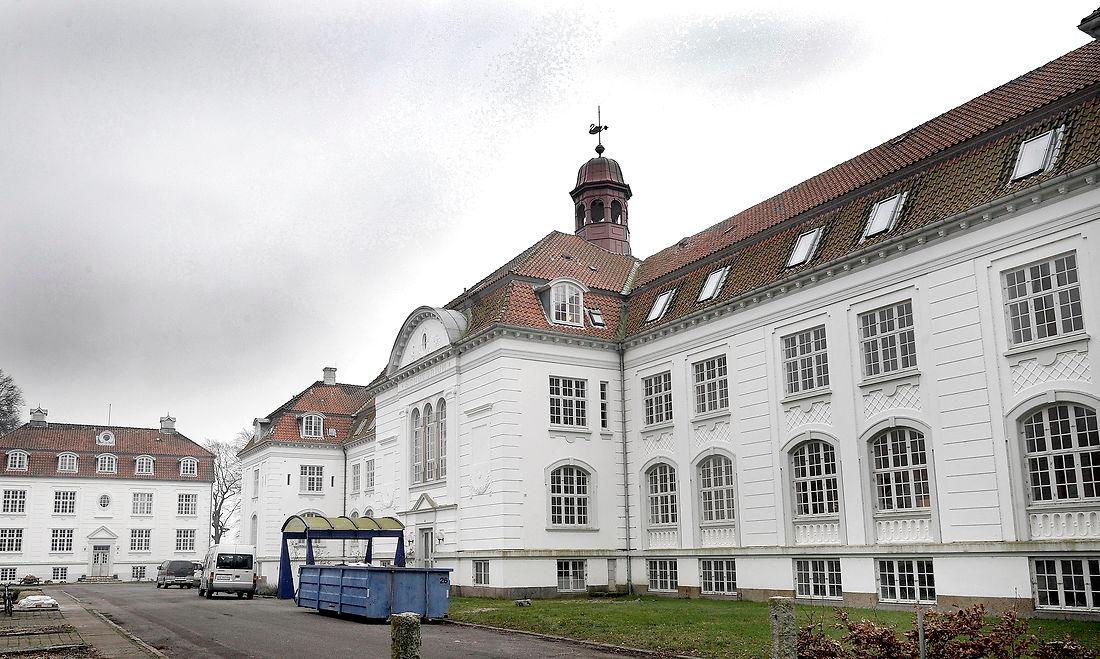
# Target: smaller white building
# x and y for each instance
(100, 502)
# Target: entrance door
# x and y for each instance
(101, 560)
(427, 543)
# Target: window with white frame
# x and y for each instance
(604, 416)
(1062, 450)
(597, 318)
(883, 215)
(106, 464)
(141, 539)
(356, 470)
(568, 401)
(17, 461)
(255, 483)
(66, 463)
(711, 386)
(719, 576)
(713, 285)
(312, 478)
(481, 573)
(187, 504)
(804, 247)
(137, 572)
(1043, 300)
(15, 502)
(312, 425)
(569, 496)
(1067, 583)
(11, 540)
(805, 361)
(59, 574)
(185, 539)
(661, 488)
(887, 339)
(906, 581)
(716, 489)
(105, 501)
(429, 443)
(143, 465)
(817, 578)
(7, 574)
(105, 438)
(660, 306)
(441, 437)
(61, 540)
(143, 503)
(368, 475)
(189, 467)
(662, 575)
(417, 432)
(813, 467)
(1038, 154)
(571, 576)
(900, 469)
(657, 398)
(64, 502)
(566, 304)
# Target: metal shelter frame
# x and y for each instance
(315, 527)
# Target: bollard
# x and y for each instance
(784, 631)
(405, 636)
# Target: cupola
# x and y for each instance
(600, 202)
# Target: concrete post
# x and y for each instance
(405, 636)
(784, 631)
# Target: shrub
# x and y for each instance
(265, 590)
(1066, 648)
(29, 580)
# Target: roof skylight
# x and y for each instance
(660, 306)
(804, 247)
(597, 318)
(713, 284)
(1038, 153)
(883, 215)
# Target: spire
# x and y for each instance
(600, 198)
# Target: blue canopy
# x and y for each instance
(316, 527)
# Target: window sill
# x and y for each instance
(664, 425)
(65, 515)
(13, 514)
(819, 598)
(1055, 506)
(582, 529)
(823, 392)
(908, 376)
(311, 494)
(428, 484)
(913, 513)
(1079, 340)
(730, 524)
(815, 519)
(576, 430)
(711, 416)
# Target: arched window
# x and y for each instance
(429, 443)
(597, 211)
(716, 489)
(661, 480)
(143, 465)
(1063, 453)
(441, 436)
(106, 464)
(417, 445)
(368, 513)
(189, 467)
(566, 304)
(17, 460)
(254, 531)
(580, 216)
(569, 496)
(66, 462)
(312, 425)
(900, 470)
(813, 465)
(616, 212)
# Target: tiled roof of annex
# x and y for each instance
(341, 405)
(45, 442)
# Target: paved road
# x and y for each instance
(181, 624)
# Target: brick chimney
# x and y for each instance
(167, 424)
(330, 374)
(38, 416)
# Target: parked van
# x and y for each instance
(228, 569)
(174, 573)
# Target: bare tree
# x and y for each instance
(11, 399)
(225, 501)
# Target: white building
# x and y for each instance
(874, 387)
(100, 502)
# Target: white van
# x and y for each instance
(229, 569)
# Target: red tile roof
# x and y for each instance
(341, 405)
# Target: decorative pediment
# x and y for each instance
(425, 331)
(425, 502)
(102, 533)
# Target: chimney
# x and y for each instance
(167, 424)
(38, 416)
(330, 374)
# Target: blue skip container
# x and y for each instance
(375, 592)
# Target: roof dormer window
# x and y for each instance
(660, 306)
(566, 304)
(189, 467)
(596, 316)
(1038, 153)
(883, 215)
(713, 284)
(143, 465)
(66, 462)
(804, 247)
(17, 461)
(105, 438)
(106, 464)
(312, 425)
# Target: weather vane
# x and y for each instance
(597, 129)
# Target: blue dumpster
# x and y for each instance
(375, 592)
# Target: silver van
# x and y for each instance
(229, 569)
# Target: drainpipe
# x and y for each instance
(626, 467)
(344, 500)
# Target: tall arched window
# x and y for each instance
(616, 212)
(813, 466)
(569, 496)
(661, 483)
(1062, 444)
(597, 211)
(566, 304)
(580, 216)
(441, 436)
(254, 530)
(429, 443)
(900, 470)
(417, 446)
(716, 489)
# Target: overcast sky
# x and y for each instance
(204, 203)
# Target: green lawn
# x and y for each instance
(704, 628)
